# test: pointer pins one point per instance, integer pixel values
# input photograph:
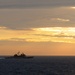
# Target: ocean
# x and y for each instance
(40, 65)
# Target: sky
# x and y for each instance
(37, 27)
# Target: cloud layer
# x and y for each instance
(48, 34)
(34, 18)
(35, 3)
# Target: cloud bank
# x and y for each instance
(35, 3)
(48, 34)
(33, 18)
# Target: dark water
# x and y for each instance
(38, 66)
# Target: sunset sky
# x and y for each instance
(37, 27)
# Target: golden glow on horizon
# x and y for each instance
(47, 34)
(72, 7)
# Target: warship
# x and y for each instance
(18, 56)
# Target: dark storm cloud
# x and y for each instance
(35, 3)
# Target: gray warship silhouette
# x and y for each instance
(19, 56)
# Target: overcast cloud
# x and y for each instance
(35, 3)
(36, 13)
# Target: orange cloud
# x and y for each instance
(48, 34)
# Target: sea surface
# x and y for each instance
(44, 65)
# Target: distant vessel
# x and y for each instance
(19, 56)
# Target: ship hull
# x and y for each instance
(11, 57)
